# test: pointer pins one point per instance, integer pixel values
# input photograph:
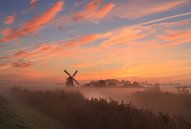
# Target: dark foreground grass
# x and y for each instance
(16, 116)
(9, 119)
(74, 111)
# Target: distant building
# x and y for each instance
(112, 83)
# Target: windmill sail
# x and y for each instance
(70, 79)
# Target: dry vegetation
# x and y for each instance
(74, 111)
(157, 100)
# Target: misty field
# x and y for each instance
(73, 110)
(154, 99)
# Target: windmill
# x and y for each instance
(70, 79)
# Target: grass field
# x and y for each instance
(15, 115)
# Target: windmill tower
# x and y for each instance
(70, 79)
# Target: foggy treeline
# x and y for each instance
(155, 99)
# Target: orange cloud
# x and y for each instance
(92, 12)
(174, 38)
(20, 54)
(131, 36)
(10, 19)
(25, 59)
(35, 24)
(37, 54)
(136, 52)
(87, 39)
(55, 49)
(126, 35)
(6, 31)
(136, 9)
(177, 35)
(104, 11)
(65, 48)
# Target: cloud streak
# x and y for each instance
(93, 11)
(10, 19)
(137, 9)
(174, 38)
(133, 36)
(126, 35)
(166, 18)
(34, 24)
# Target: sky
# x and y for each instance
(143, 40)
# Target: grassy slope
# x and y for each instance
(15, 116)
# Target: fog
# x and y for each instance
(168, 99)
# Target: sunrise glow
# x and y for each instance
(124, 39)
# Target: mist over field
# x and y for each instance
(168, 99)
(159, 107)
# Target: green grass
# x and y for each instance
(17, 116)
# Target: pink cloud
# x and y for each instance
(36, 54)
(126, 35)
(174, 38)
(20, 54)
(137, 9)
(172, 35)
(10, 19)
(55, 49)
(35, 24)
(93, 12)
(104, 11)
